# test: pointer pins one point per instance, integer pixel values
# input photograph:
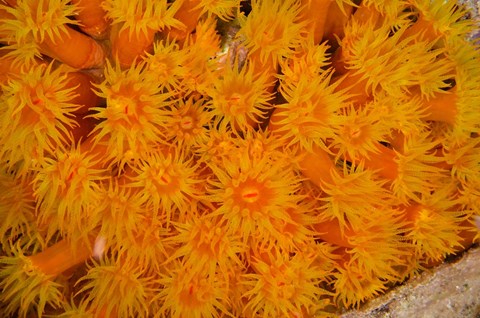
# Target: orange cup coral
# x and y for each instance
(214, 158)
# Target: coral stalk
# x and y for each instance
(128, 46)
(61, 256)
(442, 107)
(75, 49)
(383, 161)
(11, 3)
(188, 14)
(7, 67)
(338, 15)
(85, 96)
(316, 12)
(317, 166)
(92, 18)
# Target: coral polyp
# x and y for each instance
(134, 116)
(31, 25)
(169, 183)
(227, 158)
(37, 288)
(166, 64)
(239, 97)
(269, 32)
(196, 294)
(283, 286)
(205, 246)
(65, 188)
(131, 288)
(188, 124)
(252, 193)
(358, 133)
(37, 115)
(310, 111)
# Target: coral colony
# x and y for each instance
(227, 158)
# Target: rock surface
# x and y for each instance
(451, 290)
